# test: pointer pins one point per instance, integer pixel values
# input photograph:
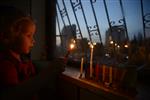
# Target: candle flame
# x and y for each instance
(111, 42)
(126, 46)
(91, 46)
(72, 46)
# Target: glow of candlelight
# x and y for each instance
(111, 42)
(126, 46)
(72, 46)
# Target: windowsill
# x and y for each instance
(72, 75)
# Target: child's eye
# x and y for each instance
(29, 36)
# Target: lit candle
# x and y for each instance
(110, 74)
(91, 63)
(81, 68)
(71, 47)
(91, 58)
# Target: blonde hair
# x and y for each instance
(11, 36)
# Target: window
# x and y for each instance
(120, 29)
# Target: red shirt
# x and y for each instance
(13, 72)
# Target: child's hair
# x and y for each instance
(13, 23)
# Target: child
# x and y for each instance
(18, 79)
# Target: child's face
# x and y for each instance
(28, 39)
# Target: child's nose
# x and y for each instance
(33, 41)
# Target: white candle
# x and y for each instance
(81, 68)
(91, 63)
